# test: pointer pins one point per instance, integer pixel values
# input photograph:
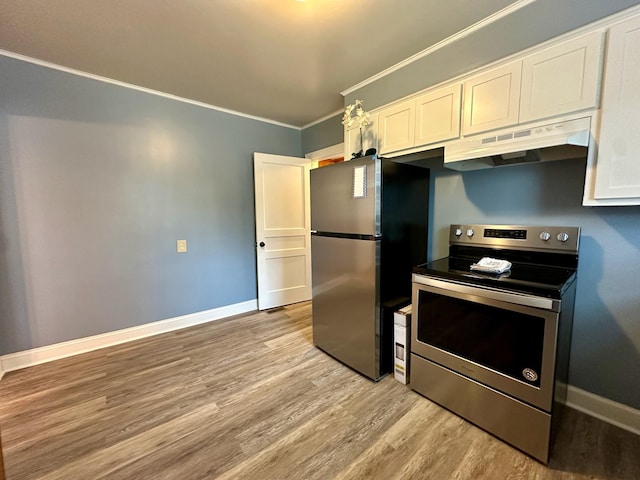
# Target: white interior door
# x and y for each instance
(283, 238)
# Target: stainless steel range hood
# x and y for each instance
(518, 145)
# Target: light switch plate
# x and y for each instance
(181, 246)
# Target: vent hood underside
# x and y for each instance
(518, 145)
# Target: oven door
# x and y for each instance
(502, 339)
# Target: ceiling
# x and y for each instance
(283, 60)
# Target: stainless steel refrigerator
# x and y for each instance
(369, 221)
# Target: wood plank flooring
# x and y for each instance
(1, 460)
(250, 397)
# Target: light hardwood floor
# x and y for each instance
(1, 460)
(251, 397)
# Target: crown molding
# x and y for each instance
(602, 23)
(80, 73)
(443, 43)
(322, 119)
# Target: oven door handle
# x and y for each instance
(486, 292)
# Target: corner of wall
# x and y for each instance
(323, 134)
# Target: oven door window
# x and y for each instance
(503, 340)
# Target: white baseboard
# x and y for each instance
(618, 414)
(28, 358)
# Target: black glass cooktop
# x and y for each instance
(543, 280)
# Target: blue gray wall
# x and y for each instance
(324, 134)
(97, 182)
(605, 356)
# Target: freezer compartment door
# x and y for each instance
(345, 197)
(346, 313)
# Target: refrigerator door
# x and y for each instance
(346, 313)
(345, 197)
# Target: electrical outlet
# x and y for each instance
(181, 246)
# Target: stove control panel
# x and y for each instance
(564, 239)
(515, 233)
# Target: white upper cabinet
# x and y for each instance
(491, 99)
(617, 171)
(429, 118)
(562, 79)
(558, 80)
(438, 115)
(397, 126)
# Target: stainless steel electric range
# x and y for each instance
(494, 347)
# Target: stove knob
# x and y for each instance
(545, 236)
(470, 232)
(458, 232)
(563, 237)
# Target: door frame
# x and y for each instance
(333, 151)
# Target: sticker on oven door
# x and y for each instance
(530, 374)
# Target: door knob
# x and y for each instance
(261, 244)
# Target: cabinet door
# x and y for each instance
(438, 115)
(354, 141)
(618, 164)
(491, 99)
(397, 126)
(562, 79)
